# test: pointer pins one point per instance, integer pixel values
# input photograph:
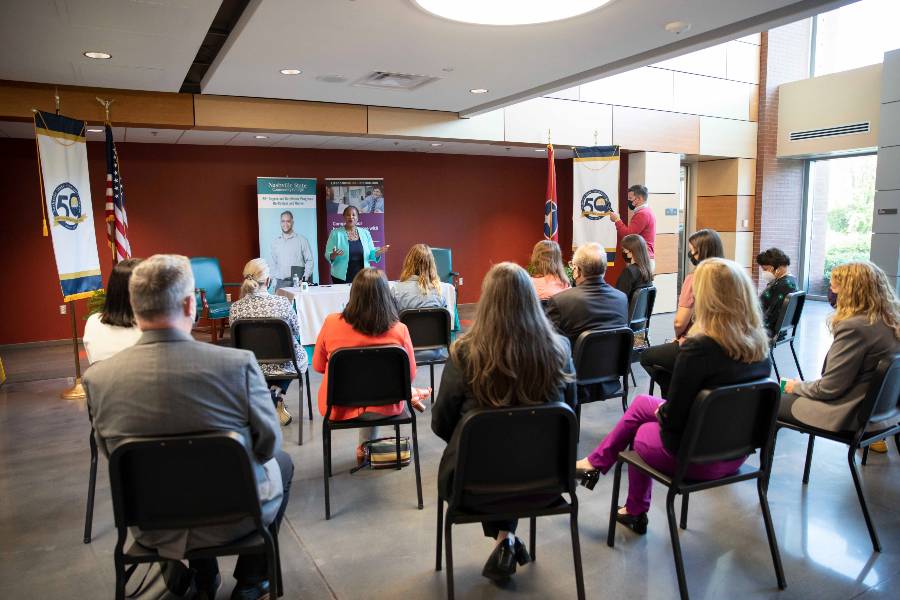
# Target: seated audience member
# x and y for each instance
(702, 244)
(866, 328)
(257, 302)
(548, 274)
(170, 384)
(779, 283)
(510, 357)
(726, 345)
(638, 272)
(113, 328)
(419, 285)
(369, 319)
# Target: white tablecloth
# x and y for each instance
(318, 302)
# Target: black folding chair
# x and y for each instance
(429, 329)
(185, 482)
(369, 376)
(725, 424)
(272, 342)
(92, 485)
(786, 328)
(488, 486)
(639, 313)
(882, 403)
(603, 356)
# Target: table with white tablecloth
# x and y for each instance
(318, 302)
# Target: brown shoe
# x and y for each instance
(284, 417)
(880, 446)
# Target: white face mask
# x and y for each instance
(768, 276)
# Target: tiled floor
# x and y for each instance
(378, 545)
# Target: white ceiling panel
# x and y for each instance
(100, 136)
(303, 141)
(246, 138)
(152, 42)
(152, 136)
(206, 138)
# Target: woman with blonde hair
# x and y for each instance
(726, 345)
(511, 356)
(257, 302)
(866, 328)
(419, 285)
(547, 271)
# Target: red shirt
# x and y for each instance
(337, 333)
(643, 223)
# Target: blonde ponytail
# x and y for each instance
(256, 273)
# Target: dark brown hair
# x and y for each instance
(707, 243)
(117, 306)
(371, 309)
(773, 257)
(640, 256)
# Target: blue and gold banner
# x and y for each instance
(595, 178)
(63, 166)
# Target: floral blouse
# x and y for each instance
(772, 298)
(262, 304)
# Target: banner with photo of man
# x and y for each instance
(366, 195)
(287, 228)
(595, 177)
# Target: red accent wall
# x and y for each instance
(201, 200)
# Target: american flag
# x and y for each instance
(116, 218)
(551, 223)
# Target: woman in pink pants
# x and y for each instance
(727, 345)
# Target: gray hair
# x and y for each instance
(590, 259)
(159, 285)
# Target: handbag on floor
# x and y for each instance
(164, 580)
(381, 453)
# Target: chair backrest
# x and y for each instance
(443, 260)
(368, 376)
(208, 277)
(641, 309)
(429, 328)
(534, 454)
(789, 317)
(270, 339)
(882, 401)
(730, 422)
(603, 355)
(185, 481)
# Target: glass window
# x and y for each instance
(856, 35)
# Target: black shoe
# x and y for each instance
(501, 564)
(588, 477)
(637, 523)
(251, 591)
(208, 592)
(522, 555)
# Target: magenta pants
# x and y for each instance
(639, 426)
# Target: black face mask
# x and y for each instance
(693, 259)
(627, 259)
(630, 205)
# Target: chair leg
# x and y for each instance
(326, 467)
(449, 549)
(865, 456)
(300, 415)
(92, 485)
(119, 562)
(770, 532)
(271, 561)
(533, 538)
(652, 383)
(278, 575)
(774, 364)
(440, 533)
(431, 369)
(633, 380)
(576, 553)
(796, 362)
(415, 448)
(897, 442)
(676, 545)
(614, 506)
(684, 510)
(851, 459)
(308, 395)
(397, 445)
(809, 454)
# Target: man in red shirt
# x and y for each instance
(643, 221)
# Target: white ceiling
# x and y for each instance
(12, 129)
(153, 42)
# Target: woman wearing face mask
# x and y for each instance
(779, 283)
(637, 273)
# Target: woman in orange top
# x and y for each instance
(369, 319)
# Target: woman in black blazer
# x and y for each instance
(510, 357)
(638, 273)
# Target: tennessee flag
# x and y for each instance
(551, 223)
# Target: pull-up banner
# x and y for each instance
(63, 166)
(366, 194)
(595, 176)
(287, 228)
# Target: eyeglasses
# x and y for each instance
(571, 264)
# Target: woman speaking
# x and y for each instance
(350, 249)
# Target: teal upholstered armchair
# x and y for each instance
(213, 307)
(443, 260)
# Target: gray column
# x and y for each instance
(886, 220)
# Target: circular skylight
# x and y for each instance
(509, 12)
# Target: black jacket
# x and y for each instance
(593, 304)
(629, 280)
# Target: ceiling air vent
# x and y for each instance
(394, 81)
(830, 131)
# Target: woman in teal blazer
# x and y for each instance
(350, 249)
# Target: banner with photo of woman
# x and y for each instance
(287, 228)
(595, 178)
(366, 195)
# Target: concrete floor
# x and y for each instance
(378, 545)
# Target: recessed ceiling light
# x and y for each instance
(290, 71)
(479, 91)
(98, 55)
(436, 144)
(499, 12)
(678, 27)
(540, 149)
(95, 131)
(261, 137)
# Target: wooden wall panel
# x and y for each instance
(130, 108)
(729, 176)
(666, 253)
(738, 247)
(727, 137)
(570, 123)
(233, 113)
(725, 213)
(434, 124)
(655, 130)
(659, 204)
(659, 171)
(666, 297)
(742, 62)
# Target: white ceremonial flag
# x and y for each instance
(595, 177)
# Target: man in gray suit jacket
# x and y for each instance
(170, 384)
